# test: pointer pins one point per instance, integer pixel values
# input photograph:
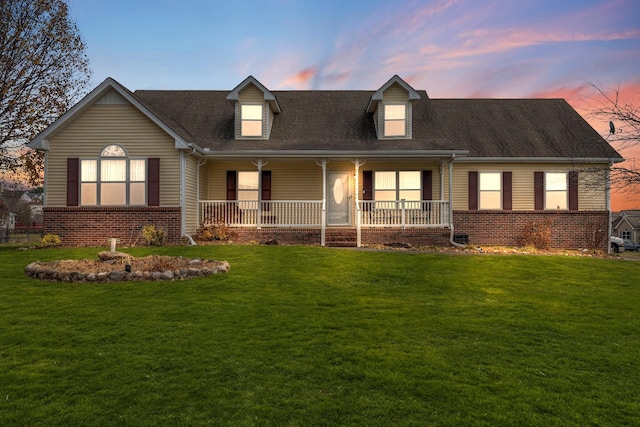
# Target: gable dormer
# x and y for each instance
(255, 107)
(391, 106)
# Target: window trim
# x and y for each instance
(397, 190)
(565, 191)
(98, 182)
(500, 190)
(262, 120)
(405, 120)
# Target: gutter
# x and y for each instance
(610, 160)
(335, 153)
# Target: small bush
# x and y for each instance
(536, 234)
(153, 236)
(49, 241)
(215, 230)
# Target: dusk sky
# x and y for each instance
(452, 49)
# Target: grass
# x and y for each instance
(313, 336)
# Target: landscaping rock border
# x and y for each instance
(64, 271)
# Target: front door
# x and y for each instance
(339, 199)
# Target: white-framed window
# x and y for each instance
(397, 185)
(248, 189)
(395, 120)
(251, 116)
(626, 234)
(113, 179)
(490, 190)
(555, 190)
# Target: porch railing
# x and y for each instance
(308, 213)
(280, 213)
(404, 213)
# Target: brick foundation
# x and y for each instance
(94, 226)
(569, 229)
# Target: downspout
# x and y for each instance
(608, 202)
(183, 193)
(456, 244)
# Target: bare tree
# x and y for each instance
(623, 123)
(43, 71)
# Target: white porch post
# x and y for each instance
(259, 215)
(358, 219)
(324, 203)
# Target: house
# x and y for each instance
(626, 225)
(350, 167)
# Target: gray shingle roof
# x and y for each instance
(336, 120)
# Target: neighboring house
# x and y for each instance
(324, 167)
(626, 225)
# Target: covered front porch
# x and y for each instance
(349, 200)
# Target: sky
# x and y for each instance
(450, 48)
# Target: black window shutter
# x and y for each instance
(367, 185)
(427, 188)
(427, 185)
(73, 177)
(266, 189)
(538, 190)
(506, 191)
(231, 185)
(573, 190)
(473, 190)
(153, 186)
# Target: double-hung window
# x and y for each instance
(113, 179)
(248, 189)
(395, 119)
(251, 116)
(391, 186)
(555, 190)
(490, 190)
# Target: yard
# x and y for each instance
(316, 336)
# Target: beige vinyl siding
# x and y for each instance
(299, 180)
(590, 196)
(191, 196)
(592, 193)
(102, 125)
(203, 192)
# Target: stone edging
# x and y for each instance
(52, 272)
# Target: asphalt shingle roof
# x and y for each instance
(336, 120)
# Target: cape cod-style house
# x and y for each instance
(321, 167)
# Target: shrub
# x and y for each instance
(536, 234)
(153, 236)
(49, 241)
(215, 230)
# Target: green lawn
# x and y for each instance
(308, 336)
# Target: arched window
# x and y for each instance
(113, 179)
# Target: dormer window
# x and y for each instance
(255, 108)
(395, 118)
(391, 107)
(251, 120)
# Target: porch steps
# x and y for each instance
(341, 237)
